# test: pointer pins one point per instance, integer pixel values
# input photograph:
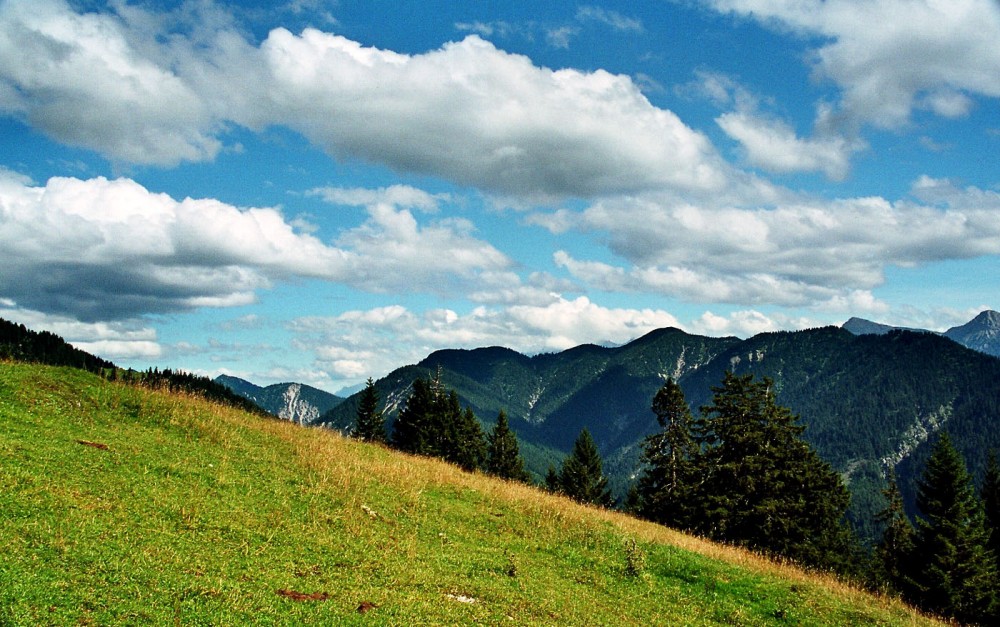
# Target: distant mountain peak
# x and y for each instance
(982, 333)
(290, 401)
(988, 318)
(860, 326)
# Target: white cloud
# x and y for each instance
(805, 252)
(889, 56)
(774, 146)
(615, 20)
(78, 78)
(110, 249)
(483, 117)
(559, 37)
(468, 112)
(396, 254)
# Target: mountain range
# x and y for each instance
(869, 401)
(982, 333)
(296, 402)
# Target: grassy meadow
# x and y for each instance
(122, 505)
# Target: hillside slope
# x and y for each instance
(125, 505)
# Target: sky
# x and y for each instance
(322, 191)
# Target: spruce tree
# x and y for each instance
(433, 423)
(411, 431)
(956, 574)
(670, 457)
(552, 483)
(991, 502)
(468, 448)
(991, 507)
(502, 456)
(370, 422)
(894, 552)
(765, 487)
(582, 476)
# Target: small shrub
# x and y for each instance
(635, 559)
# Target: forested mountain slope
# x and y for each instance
(868, 401)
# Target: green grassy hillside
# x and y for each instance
(120, 505)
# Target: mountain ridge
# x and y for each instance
(869, 402)
(981, 334)
(296, 402)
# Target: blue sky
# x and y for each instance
(322, 191)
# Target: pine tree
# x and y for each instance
(670, 457)
(894, 552)
(370, 422)
(956, 573)
(502, 456)
(765, 487)
(582, 476)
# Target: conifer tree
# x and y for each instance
(502, 456)
(894, 552)
(370, 422)
(468, 447)
(582, 476)
(552, 480)
(765, 487)
(991, 503)
(433, 423)
(411, 431)
(670, 475)
(991, 507)
(956, 574)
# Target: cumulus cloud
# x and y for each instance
(809, 252)
(358, 344)
(78, 78)
(395, 254)
(104, 249)
(468, 112)
(483, 117)
(774, 146)
(890, 56)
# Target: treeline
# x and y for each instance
(742, 474)
(433, 423)
(180, 381)
(18, 343)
